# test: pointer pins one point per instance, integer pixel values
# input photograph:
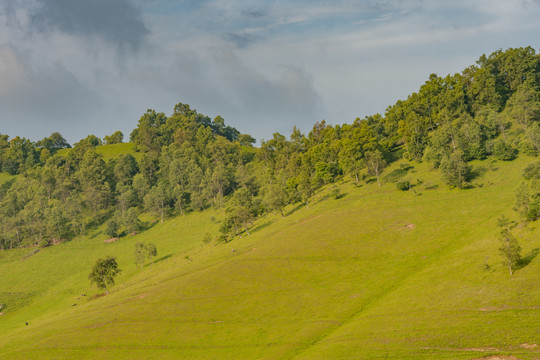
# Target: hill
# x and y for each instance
(377, 273)
(405, 235)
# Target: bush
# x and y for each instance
(504, 151)
(403, 185)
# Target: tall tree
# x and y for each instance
(103, 272)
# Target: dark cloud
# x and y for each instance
(254, 13)
(42, 98)
(241, 40)
(116, 21)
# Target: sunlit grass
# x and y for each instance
(377, 273)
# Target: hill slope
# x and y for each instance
(378, 273)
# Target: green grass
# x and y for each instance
(378, 273)
(5, 177)
(110, 151)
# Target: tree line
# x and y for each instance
(189, 162)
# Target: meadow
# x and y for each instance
(370, 273)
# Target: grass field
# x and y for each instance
(377, 273)
(110, 151)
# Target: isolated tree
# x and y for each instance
(510, 250)
(103, 272)
(143, 252)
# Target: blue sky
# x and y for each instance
(82, 67)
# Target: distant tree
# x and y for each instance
(157, 200)
(246, 140)
(503, 151)
(131, 220)
(375, 163)
(510, 250)
(53, 142)
(143, 252)
(115, 138)
(103, 272)
(112, 228)
(455, 171)
(533, 137)
(125, 169)
(89, 141)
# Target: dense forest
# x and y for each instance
(188, 162)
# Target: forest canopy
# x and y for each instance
(188, 161)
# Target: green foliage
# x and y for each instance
(503, 151)
(103, 272)
(115, 138)
(403, 185)
(144, 251)
(509, 250)
(112, 228)
(455, 170)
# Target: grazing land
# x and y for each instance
(376, 273)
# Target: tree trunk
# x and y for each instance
(105, 286)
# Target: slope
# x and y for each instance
(379, 273)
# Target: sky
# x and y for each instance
(84, 67)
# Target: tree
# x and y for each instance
(455, 171)
(112, 228)
(509, 250)
(143, 252)
(131, 220)
(115, 138)
(103, 272)
(157, 200)
(375, 163)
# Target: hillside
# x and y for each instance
(376, 273)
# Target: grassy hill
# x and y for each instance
(376, 273)
(110, 151)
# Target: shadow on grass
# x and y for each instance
(295, 209)
(262, 226)
(526, 260)
(147, 225)
(478, 171)
(160, 259)
(340, 196)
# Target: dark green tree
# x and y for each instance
(103, 272)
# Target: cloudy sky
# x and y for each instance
(94, 66)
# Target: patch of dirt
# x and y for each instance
(1, 313)
(95, 326)
(497, 357)
(409, 226)
(111, 240)
(508, 308)
(313, 218)
(527, 346)
(215, 322)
